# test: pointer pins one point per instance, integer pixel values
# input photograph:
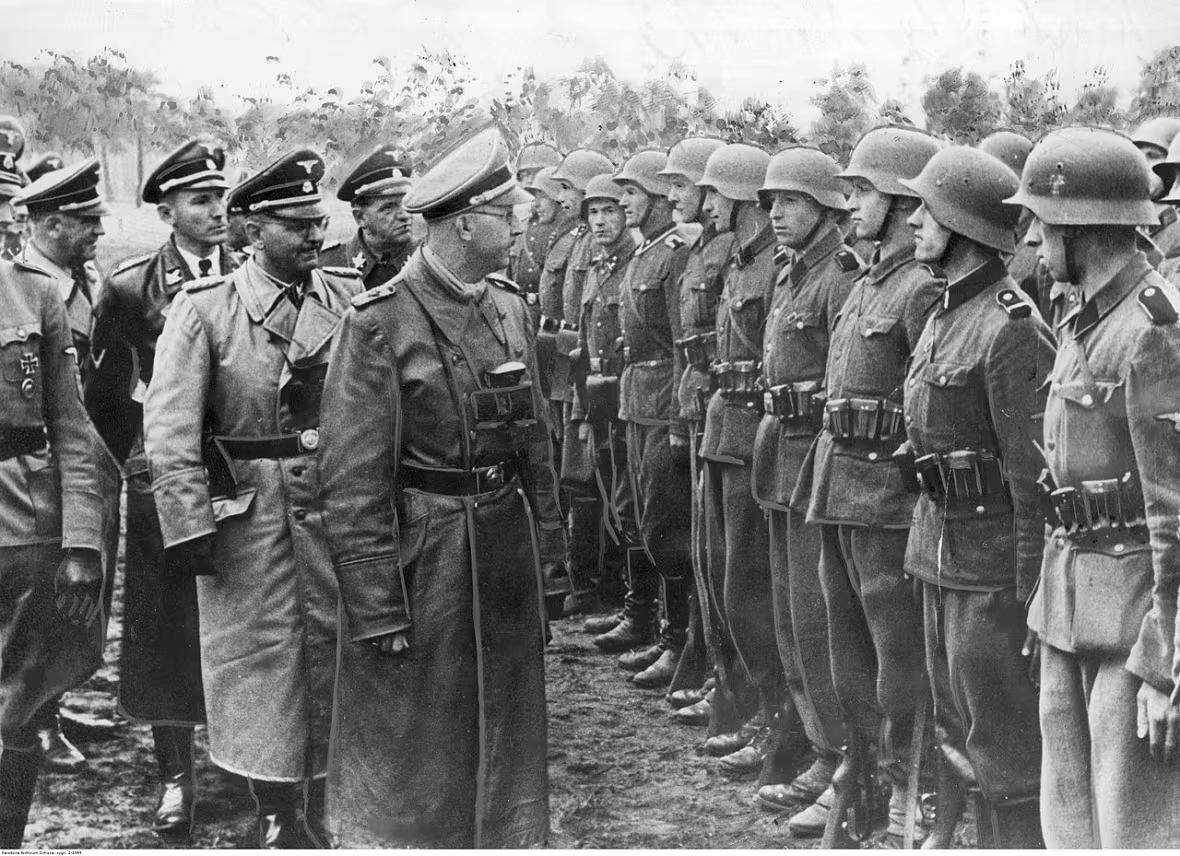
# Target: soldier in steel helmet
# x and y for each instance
(532, 158)
(231, 429)
(1168, 173)
(528, 256)
(1011, 149)
(560, 294)
(974, 387)
(807, 209)
(700, 291)
(1105, 607)
(848, 486)
(436, 457)
(375, 188)
(1154, 138)
(750, 685)
(650, 321)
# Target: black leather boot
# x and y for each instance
(18, 781)
(58, 754)
(950, 801)
(672, 638)
(1012, 825)
(639, 608)
(315, 828)
(583, 558)
(174, 754)
(277, 824)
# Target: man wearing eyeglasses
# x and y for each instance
(231, 428)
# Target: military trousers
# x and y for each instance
(874, 623)
(160, 663)
(662, 490)
(801, 626)
(984, 700)
(1100, 787)
(738, 542)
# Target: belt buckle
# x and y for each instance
(492, 478)
(309, 440)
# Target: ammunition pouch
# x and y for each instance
(864, 419)
(798, 404)
(740, 383)
(506, 402)
(602, 398)
(553, 326)
(700, 350)
(958, 475)
(1095, 509)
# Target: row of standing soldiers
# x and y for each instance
(889, 456)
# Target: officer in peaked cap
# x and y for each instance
(12, 224)
(235, 216)
(160, 666)
(12, 136)
(247, 524)
(435, 458)
(376, 189)
(46, 163)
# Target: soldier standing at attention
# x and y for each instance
(382, 243)
(160, 663)
(528, 256)
(1154, 138)
(1105, 609)
(1168, 171)
(58, 498)
(848, 484)
(974, 387)
(231, 428)
(436, 457)
(807, 206)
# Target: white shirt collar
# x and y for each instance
(193, 261)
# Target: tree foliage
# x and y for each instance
(960, 106)
(1158, 93)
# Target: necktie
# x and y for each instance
(205, 266)
(294, 294)
(82, 282)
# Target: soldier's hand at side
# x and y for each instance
(1031, 651)
(77, 586)
(585, 432)
(680, 448)
(391, 643)
(1159, 721)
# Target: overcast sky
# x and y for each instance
(773, 50)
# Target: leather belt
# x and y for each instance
(795, 403)
(22, 440)
(871, 419)
(274, 446)
(631, 358)
(452, 482)
(553, 325)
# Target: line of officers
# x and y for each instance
(841, 480)
(889, 455)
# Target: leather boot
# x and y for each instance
(582, 557)
(639, 608)
(659, 672)
(551, 546)
(611, 584)
(174, 755)
(951, 800)
(804, 788)
(58, 754)
(1014, 825)
(277, 825)
(18, 781)
(600, 624)
(857, 812)
(640, 659)
(315, 829)
(784, 749)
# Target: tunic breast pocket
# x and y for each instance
(20, 362)
(877, 325)
(746, 315)
(700, 300)
(649, 303)
(955, 399)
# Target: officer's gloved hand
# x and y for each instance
(391, 643)
(77, 586)
(192, 558)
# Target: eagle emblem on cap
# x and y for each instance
(308, 165)
(308, 187)
(9, 136)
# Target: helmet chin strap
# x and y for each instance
(1071, 271)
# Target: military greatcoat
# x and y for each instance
(237, 356)
(444, 744)
(373, 268)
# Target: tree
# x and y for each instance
(1097, 103)
(1158, 93)
(847, 109)
(1032, 105)
(960, 106)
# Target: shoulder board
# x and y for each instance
(350, 272)
(21, 264)
(331, 245)
(504, 283)
(134, 261)
(373, 295)
(847, 260)
(582, 229)
(675, 241)
(204, 283)
(1013, 302)
(1157, 305)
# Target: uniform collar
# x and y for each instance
(648, 243)
(264, 293)
(963, 289)
(623, 250)
(65, 280)
(192, 262)
(753, 247)
(1110, 295)
(883, 266)
(799, 263)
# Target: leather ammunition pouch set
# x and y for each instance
(16, 441)
(740, 382)
(799, 404)
(1095, 508)
(598, 379)
(554, 326)
(863, 419)
(700, 350)
(951, 476)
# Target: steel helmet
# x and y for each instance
(1158, 132)
(889, 153)
(581, 165)
(802, 169)
(601, 187)
(537, 156)
(736, 171)
(1009, 147)
(1087, 177)
(688, 157)
(544, 183)
(643, 168)
(1168, 171)
(964, 190)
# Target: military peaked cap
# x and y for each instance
(71, 190)
(46, 163)
(384, 172)
(196, 165)
(289, 188)
(476, 172)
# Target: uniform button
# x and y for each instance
(300, 514)
(872, 456)
(774, 312)
(979, 509)
(1118, 548)
(906, 576)
(297, 471)
(1087, 399)
(20, 332)
(909, 420)
(913, 381)
(598, 324)
(798, 325)
(942, 381)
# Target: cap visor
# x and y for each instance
(516, 196)
(308, 211)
